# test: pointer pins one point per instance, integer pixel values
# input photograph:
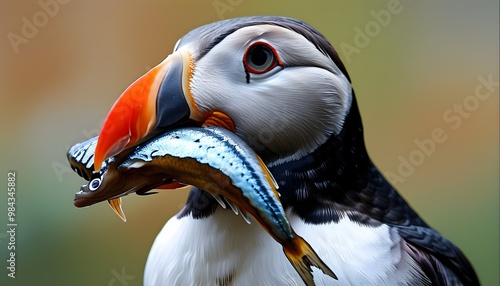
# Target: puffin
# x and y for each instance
(280, 86)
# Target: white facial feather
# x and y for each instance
(289, 111)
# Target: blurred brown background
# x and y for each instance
(62, 67)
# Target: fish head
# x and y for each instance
(115, 181)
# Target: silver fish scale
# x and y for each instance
(85, 154)
(82, 156)
(222, 150)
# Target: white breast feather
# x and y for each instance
(206, 251)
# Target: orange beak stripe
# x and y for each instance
(132, 115)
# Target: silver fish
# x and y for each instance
(217, 161)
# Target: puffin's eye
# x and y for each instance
(95, 184)
(260, 57)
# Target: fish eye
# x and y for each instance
(95, 184)
(260, 58)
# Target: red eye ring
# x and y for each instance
(260, 57)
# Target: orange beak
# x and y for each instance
(154, 102)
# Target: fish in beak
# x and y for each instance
(81, 159)
(213, 159)
(158, 101)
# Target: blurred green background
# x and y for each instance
(57, 85)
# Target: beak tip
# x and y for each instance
(107, 146)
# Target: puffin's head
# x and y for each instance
(276, 82)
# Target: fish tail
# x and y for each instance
(302, 257)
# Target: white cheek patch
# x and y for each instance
(176, 45)
(293, 121)
(291, 111)
(218, 75)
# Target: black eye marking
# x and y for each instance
(247, 74)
